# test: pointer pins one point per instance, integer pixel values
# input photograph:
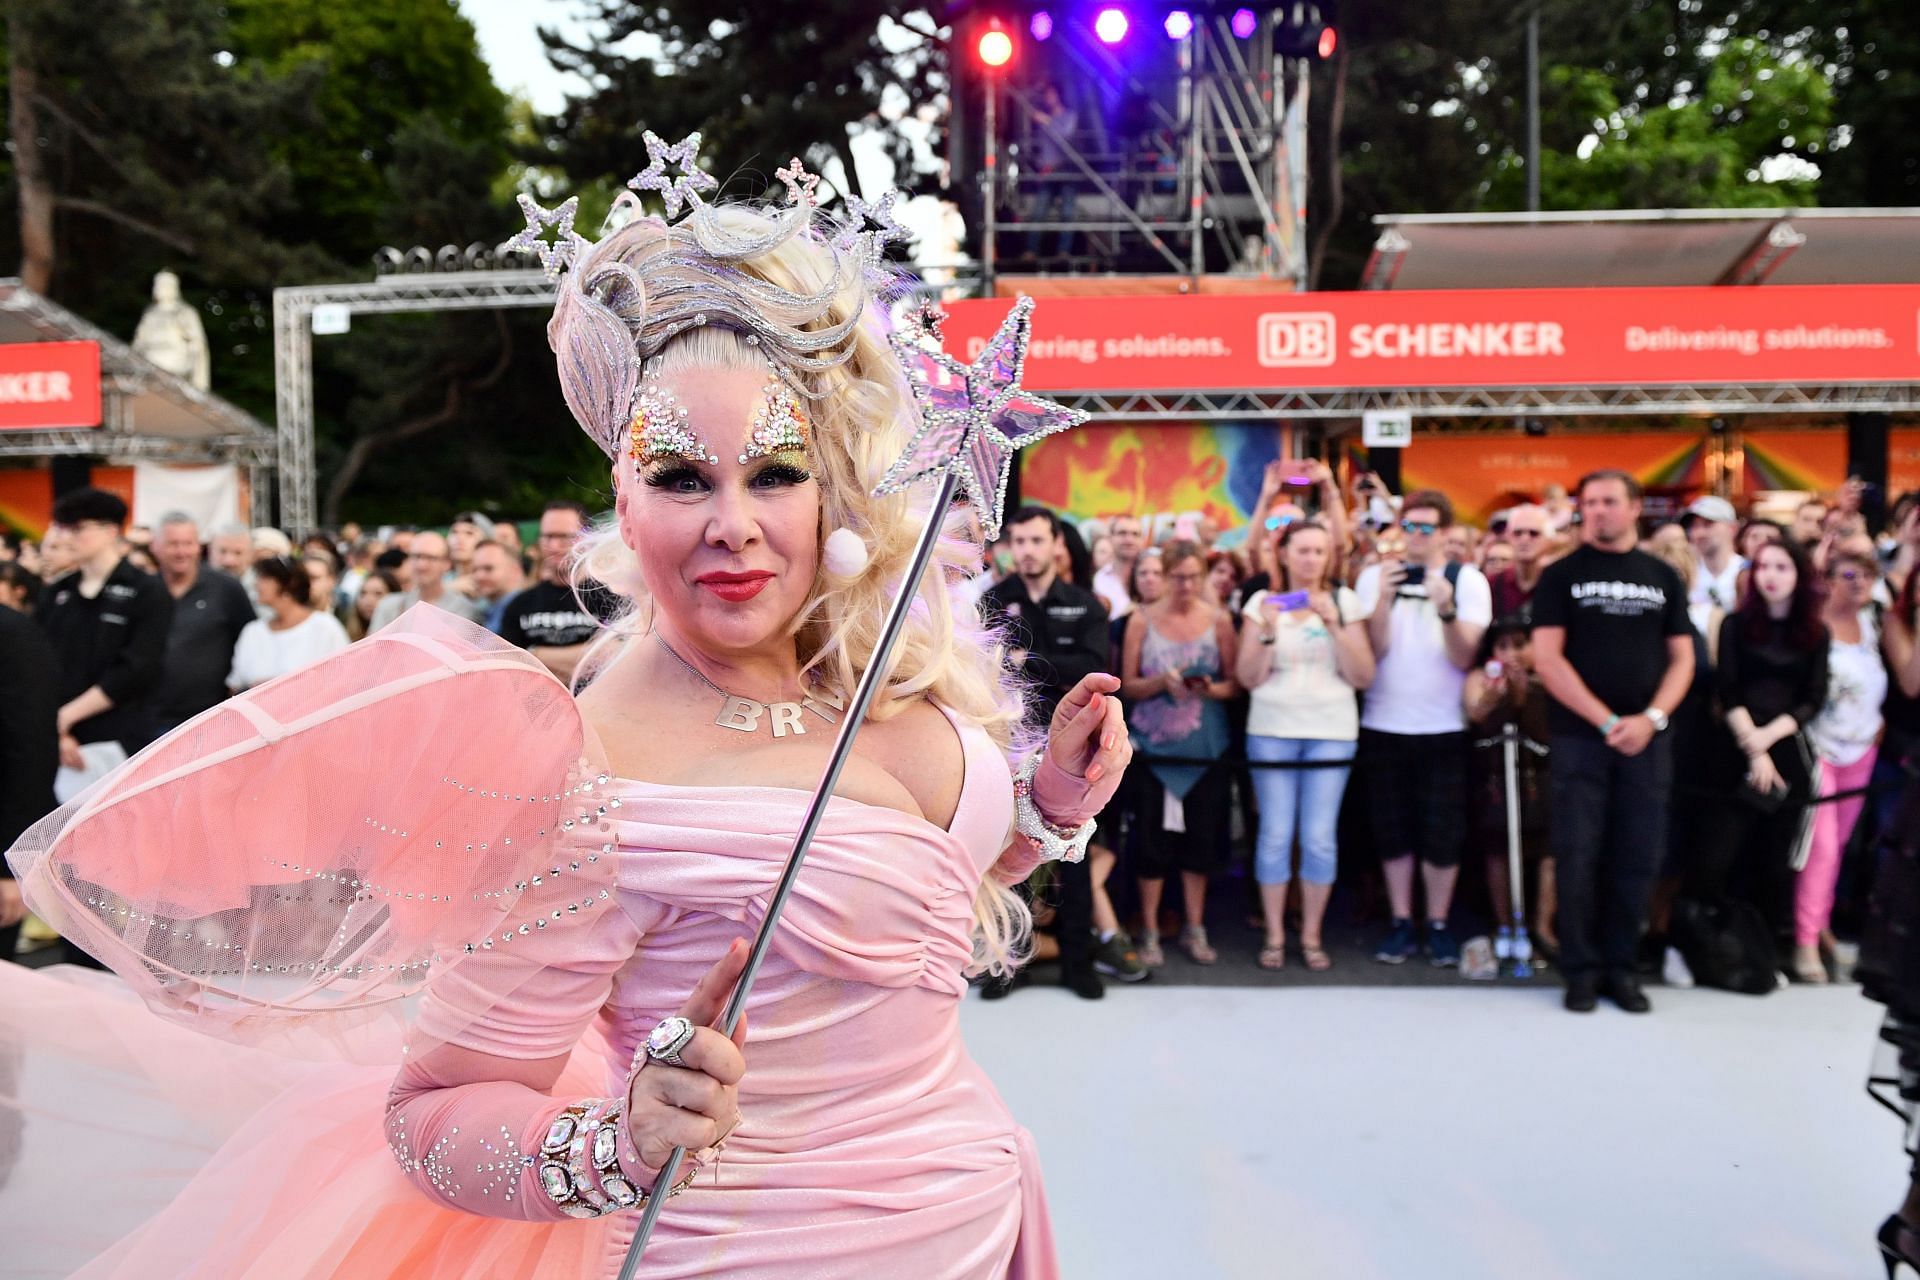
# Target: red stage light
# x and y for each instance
(996, 48)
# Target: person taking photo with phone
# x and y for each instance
(1425, 618)
(1303, 654)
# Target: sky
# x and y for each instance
(510, 43)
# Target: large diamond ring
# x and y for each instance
(666, 1040)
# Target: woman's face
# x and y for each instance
(1756, 536)
(1222, 578)
(268, 590)
(1774, 576)
(1514, 651)
(1307, 553)
(1851, 584)
(1150, 579)
(1102, 552)
(1184, 579)
(372, 592)
(727, 549)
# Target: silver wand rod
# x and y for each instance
(850, 721)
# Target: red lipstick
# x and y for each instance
(735, 587)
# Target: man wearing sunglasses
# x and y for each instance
(1528, 528)
(1426, 617)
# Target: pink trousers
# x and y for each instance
(1832, 825)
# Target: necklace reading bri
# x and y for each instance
(746, 715)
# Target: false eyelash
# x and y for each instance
(668, 475)
(785, 472)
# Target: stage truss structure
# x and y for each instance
(1336, 411)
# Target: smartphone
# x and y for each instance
(1197, 682)
(1494, 669)
(1287, 601)
(1416, 575)
(1296, 470)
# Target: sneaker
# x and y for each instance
(1675, 972)
(1583, 993)
(1443, 949)
(1116, 958)
(1503, 943)
(1397, 945)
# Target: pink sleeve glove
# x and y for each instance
(1067, 801)
(470, 1109)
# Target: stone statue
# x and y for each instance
(171, 335)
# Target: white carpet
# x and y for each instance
(1430, 1134)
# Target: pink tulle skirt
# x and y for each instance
(135, 1149)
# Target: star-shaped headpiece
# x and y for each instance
(874, 239)
(801, 186)
(974, 416)
(687, 185)
(558, 253)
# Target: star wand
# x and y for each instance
(972, 419)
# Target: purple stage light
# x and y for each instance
(1041, 27)
(1111, 26)
(1179, 25)
(1244, 23)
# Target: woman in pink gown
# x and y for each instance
(741, 383)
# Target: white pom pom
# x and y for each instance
(845, 554)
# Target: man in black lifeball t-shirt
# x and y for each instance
(1613, 645)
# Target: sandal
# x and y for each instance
(1273, 957)
(1193, 940)
(1150, 953)
(1317, 958)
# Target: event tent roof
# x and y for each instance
(1645, 248)
(146, 411)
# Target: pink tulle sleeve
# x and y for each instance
(470, 1110)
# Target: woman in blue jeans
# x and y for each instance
(1304, 656)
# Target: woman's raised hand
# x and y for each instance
(1087, 752)
(695, 1106)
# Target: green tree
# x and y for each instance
(763, 82)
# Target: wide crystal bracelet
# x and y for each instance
(580, 1163)
(1056, 844)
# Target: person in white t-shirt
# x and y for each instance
(296, 634)
(1425, 618)
(1312, 655)
(1711, 526)
(1127, 535)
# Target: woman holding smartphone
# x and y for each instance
(1304, 655)
(1177, 664)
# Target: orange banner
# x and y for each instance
(1815, 461)
(1485, 474)
(1903, 462)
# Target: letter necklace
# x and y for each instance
(746, 715)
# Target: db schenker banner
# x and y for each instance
(49, 384)
(1810, 335)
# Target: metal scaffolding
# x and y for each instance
(1208, 173)
(485, 289)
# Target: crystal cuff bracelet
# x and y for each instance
(1056, 844)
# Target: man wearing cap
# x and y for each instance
(1711, 525)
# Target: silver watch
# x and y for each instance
(1657, 717)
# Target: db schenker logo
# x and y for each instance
(1296, 339)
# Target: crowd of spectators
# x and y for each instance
(1317, 699)
(1712, 713)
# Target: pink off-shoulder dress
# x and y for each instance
(872, 1145)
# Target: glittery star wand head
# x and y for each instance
(973, 416)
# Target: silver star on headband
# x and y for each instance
(973, 416)
(692, 178)
(558, 253)
(801, 186)
(855, 233)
